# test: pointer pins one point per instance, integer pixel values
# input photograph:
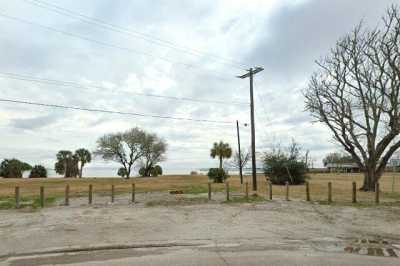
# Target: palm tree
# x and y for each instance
(63, 157)
(221, 150)
(84, 156)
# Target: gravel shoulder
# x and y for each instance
(275, 227)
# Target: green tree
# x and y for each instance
(221, 150)
(125, 148)
(84, 156)
(153, 171)
(13, 168)
(154, 150)
(38, 171)
(67, 164)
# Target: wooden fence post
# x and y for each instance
(112, 193)
(133, 192)
(90, 194)
(209, 190)
(227, 191)
(67, 195)
(17, 204)
(307, 191)
(270, 190)
(247, 190)
(377, 192)
(329, 192)
(41, 197)
(287, 191)
(354, 194)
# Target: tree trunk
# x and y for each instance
(371, 177)
(220, 162)
(65, 168)
(80, 171)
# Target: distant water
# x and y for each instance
(112, 172)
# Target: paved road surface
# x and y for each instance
(273, 233)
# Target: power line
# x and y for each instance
(128, 31)
(77, 85)
(109, 45)
(111, 111)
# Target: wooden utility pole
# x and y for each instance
(251, 72)
(240, 154)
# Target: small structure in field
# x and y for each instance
(343, 168)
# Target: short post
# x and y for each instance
(329, 192)
(270, 190)
(287, 191)
(209, 190)
(247, 190)
(67, 195)
(17, 204)
(354, 197)
(227, 191)
(41, 197)
(112, 193)
(133, 192)
(90, 194)
(377, 193)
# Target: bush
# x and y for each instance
(217, 174)
(38, 171)
(153, 171)
(13, 168)
(156, 171)
(122, 172)
(281, 169)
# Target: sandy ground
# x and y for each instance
(270, 233)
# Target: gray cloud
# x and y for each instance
(283, 36)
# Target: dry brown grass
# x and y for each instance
(341, 183)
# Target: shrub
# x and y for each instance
(152, 171)
(217, 174)
(142, 171)
(13, 168)
(156, 171)
(38, 171)
(122, 172)
(281, 169)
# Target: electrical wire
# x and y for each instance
(128, 31)
(111, 111)
(109, 45)
(77, 85)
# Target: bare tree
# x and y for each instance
(356, 94)
(239, 161)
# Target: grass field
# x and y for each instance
(341, 187)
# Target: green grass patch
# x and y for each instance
(32, 202)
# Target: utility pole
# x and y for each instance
(240, 154)
(250, 73)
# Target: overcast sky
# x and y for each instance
(190, 49)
